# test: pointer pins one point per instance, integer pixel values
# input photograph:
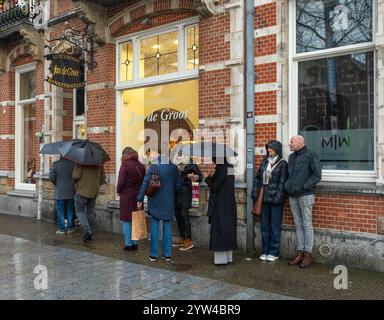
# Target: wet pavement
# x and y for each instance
(102, 270)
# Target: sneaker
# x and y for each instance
(263, 257)
(70, 230)
(272, 258)
(135, 247)
(167, 259)
(128, 248)
(152, 259)
(179, 243)
(187, 245)
(87, 237)
(60, 232)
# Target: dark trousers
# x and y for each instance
(271, 217)
(85, 209)
(183, 223)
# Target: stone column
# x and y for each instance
(380, 91)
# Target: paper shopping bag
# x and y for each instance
(139, 225)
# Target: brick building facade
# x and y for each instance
(292, 69)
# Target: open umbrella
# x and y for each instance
(84, 152)
(204, 149)
(52, 148)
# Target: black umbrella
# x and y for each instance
(84, 152)
(204, 149)
(52, 148)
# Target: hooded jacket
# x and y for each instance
(274, 190)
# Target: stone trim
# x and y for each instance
(7, 137)
(141, 10)
(8, 103)
(97, 130)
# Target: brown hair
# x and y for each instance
(129, 153)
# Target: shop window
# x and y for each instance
(30, 144)
(336, 110)
(333, 84)
(327, 24)
(192, 47)
(126, 61)
(26, 139)
(27, 85)
(158, 55)
(148, 112)
(169, 54)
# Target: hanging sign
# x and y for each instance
(65, 71)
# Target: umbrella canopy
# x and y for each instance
(52, 148)
(205, 149)
(84, 152)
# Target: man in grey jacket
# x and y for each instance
(61, 176)
(304, 172)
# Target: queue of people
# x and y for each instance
(77, 186)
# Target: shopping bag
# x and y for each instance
(259, 203)
(139, 225)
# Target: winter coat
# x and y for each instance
(131, 176)
(161, 205)
(304, 172)
(61, 176)
(88, 180)
(223, 211)
(274, 190)
(184, 196)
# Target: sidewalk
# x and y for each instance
(246, 271)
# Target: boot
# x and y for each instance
(307, 261)
(297, 259)
(187, 245)
(179, 242)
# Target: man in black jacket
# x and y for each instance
(304, 172)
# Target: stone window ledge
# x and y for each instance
(351, 187)
(22, 193)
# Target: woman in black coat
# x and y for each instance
(272, 174)
(222, 212)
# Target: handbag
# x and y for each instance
(154, 184)
(139, 225)
(256, 210)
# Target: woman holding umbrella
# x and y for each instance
(131, 176)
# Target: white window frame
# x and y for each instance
(19, 128)
(294, 59)
(181, 74)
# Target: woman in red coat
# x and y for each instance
(131, 176)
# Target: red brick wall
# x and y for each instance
(265, 16)
(344, 212)
(213, 102)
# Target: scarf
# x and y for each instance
(271, 165)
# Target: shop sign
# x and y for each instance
(65, 71)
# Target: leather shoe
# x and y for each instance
(307, 261)
(297, 259)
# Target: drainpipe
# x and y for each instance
(250, 103)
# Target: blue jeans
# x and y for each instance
(301, 208)
(62, 207)
(271, 217)
(127, 228)
(167, 238)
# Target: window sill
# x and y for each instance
(350, 187)
(22, 193)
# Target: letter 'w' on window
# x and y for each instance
(341, 281)
(41, 281)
